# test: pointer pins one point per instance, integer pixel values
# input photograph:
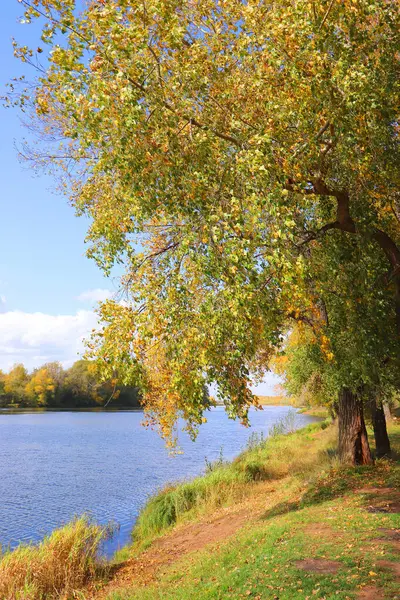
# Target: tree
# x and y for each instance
(15, 383)
(50, 386)
(41, 387)
(57, 374)
(351, 332)
(379, 424)
(216, 147)
(81, 385)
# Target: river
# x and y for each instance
(55, 465)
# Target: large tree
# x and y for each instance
(214, 145)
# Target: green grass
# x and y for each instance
(270, 459)
(259, 562)
(56, 568)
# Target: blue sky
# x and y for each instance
(48, 287)
(42, 263)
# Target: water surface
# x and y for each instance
(55, 465)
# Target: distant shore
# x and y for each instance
(313, 411)
(33, 409)
(276, 400)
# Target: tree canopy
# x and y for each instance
(241, 160)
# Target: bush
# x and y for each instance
(57, 567)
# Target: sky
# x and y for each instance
(48, 287)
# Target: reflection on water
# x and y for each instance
(55, 465)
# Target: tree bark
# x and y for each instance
(382, 442)
(353, 439)
(386, 410)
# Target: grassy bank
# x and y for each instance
(316, 411)
(224, 483)
(330, 547)
(284, 520)
(57, 568)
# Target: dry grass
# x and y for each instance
(57, 568)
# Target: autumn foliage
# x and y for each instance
(241, 161)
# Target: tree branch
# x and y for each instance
(326, 14)
(344, 222)
(313, 235)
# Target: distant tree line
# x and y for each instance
(55, 387)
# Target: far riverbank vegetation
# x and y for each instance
(52, 386)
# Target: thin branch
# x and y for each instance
(302, 319)
(157, 253)
(55, 21)
(112, 395)
(318, 135)
(313, 235)
(327, 14)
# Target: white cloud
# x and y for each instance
(97, 295)
(2, 303)
(36, 338)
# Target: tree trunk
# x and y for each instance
(353, 439)
(380, 432)
(386, 410)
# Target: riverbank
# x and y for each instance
(315, 531)
(321, 412)
(283, 520)
(307, 529)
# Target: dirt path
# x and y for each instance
(181, 542)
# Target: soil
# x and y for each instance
(382, 500)
(391, 537)
(390, 534)
(387, 565)
(319, 565)
(371, 593)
